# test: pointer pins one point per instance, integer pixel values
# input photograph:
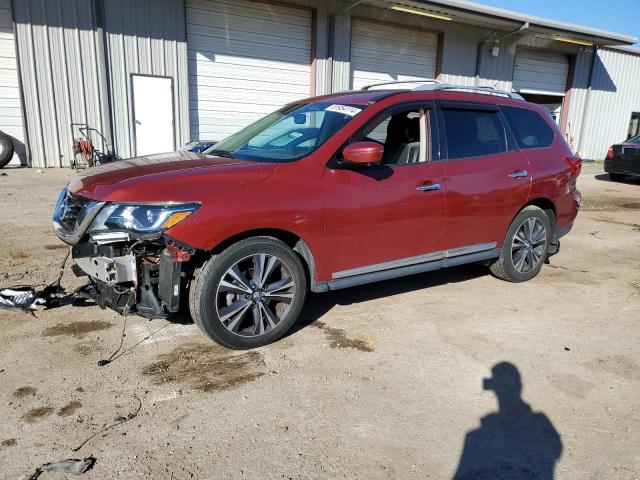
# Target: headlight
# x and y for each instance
(141, 218)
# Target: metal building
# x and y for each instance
(151, 75)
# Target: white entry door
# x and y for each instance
(153, 114)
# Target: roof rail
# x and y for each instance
(484, 89)
(396, 82)
(433, 85)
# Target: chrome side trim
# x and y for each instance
(403, 262)
(410, 270)
(479, 247)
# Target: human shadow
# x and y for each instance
(514, 443)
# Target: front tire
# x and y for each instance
(250, 294)
(525, 246)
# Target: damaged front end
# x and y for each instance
(132, 264)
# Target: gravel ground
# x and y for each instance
(381, 381)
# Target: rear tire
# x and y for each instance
(250, 294)
(6, 149)
(616, 177)
(525, 247)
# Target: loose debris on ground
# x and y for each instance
(66, 467)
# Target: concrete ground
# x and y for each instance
(381, 381)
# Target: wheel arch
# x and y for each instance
(548, 207)
(544, 204)
(293, 241)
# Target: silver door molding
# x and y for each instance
(424, 258)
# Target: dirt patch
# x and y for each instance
(635, 226)
(338, 339)
(9, 442)
(69, 409)
(635, 286)
(83, 350)
(76, 328)
(35, 414)
(567, 269)
(620, 365)
(23, 392)
(205, 368)
(59, 246)
(612, 203)
(572, 385)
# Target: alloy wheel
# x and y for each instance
(528, 245)
(254, 294)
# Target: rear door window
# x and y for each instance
(529, 128)
(473, 133)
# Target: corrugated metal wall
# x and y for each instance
(459, 52)
(615, 93)
(59, 68)
(145, 37)
(73, 72)
(10, 105)
(64, 64)
(577, 95)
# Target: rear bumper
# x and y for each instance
(612, 166)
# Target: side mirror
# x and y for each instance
(363, 153)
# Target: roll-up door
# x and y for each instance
(246, 59)
(10, 106)
(541, 72)
(385, 53)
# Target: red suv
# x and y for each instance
(325, 193)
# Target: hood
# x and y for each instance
(169, 177)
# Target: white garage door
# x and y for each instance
(536, 71)
(385, 53)
(246, 59)
(10, 109)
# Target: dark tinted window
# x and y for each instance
(473, 133)
(529, 128)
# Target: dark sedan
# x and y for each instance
(623, 159)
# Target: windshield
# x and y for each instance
(288, 134)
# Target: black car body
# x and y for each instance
(623, 159)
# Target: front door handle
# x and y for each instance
(431, 186)
(519, 173)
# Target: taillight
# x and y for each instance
(574, 163)
(610, 153)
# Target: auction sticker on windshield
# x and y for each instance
(345, 109)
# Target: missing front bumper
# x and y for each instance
(111, 271)
(150, 286)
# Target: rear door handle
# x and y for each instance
(519, 173)
(431, 186)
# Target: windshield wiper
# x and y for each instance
(223, 153)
